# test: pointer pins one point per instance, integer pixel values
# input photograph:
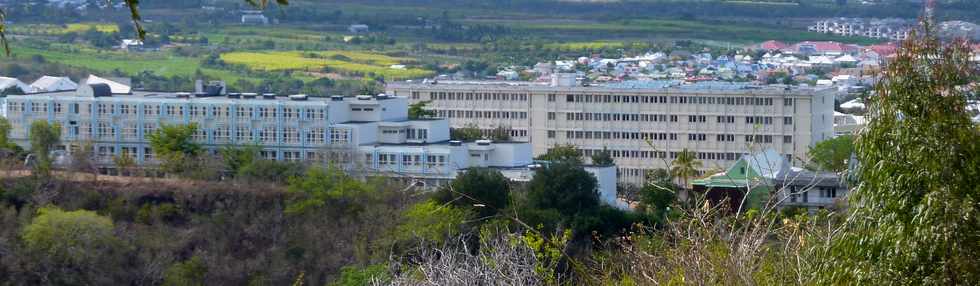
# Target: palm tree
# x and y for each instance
(685, 166)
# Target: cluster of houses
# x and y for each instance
(891, 28)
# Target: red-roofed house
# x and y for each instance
(833, 48)
(883, 50)
(772, 45)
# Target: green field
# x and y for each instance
(129, 63)
(344, 62)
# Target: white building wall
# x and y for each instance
(652, 140)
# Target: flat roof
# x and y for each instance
(669, 86)
(152, 96)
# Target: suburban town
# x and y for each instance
(228, 142)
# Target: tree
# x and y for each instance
(319, 186)
(79, 246)
(658, 194)
(469, 132)
(916, 214)
(125, 163)
(486, 191)
(417, 110)
(562, 194)
(190, 272)
(44, 137)
(432, 222)
(5, 143)
(174, 146)
(832, 154)
(603, 158)
(562, 153)
(685, 166)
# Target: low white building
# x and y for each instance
(847, 124)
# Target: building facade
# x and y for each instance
(369, 133)
(644, 127)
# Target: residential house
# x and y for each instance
(756, 180)
(358, 29)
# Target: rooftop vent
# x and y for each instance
(298, 97)
(364, 97)
(455, 143)
(101, 90)
(336, 98)
(214, 89)
(268, 96)
(249, 95)
(484, 142)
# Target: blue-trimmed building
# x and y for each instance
(370, 133)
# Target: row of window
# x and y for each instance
(480, 114)
(605, 98)
(289, 135)
(764, 120)
(646, 154)
(194, 111)
(407, 160)
(475, 96)
(654, 136)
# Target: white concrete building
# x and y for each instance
(644, 127)
(370, 133)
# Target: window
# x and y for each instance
(551, 116)
(696, 118)
(267, 135)
(569, 98)
(339, 136)
(551, 134)
(726, 138)
(200, 135)
(106, 131)
(57, 108)
(152, 110)
(316, 136)
(290, 113)
(787, 120)
(673, 118)
(290, 135)
(148, 128)
(103, 109)
(129, 131)
(222, 134)
(726, 119)
(243, 134)
(787, 102)
(787, 139)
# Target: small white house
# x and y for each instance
(131, 45)
(359, 29)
